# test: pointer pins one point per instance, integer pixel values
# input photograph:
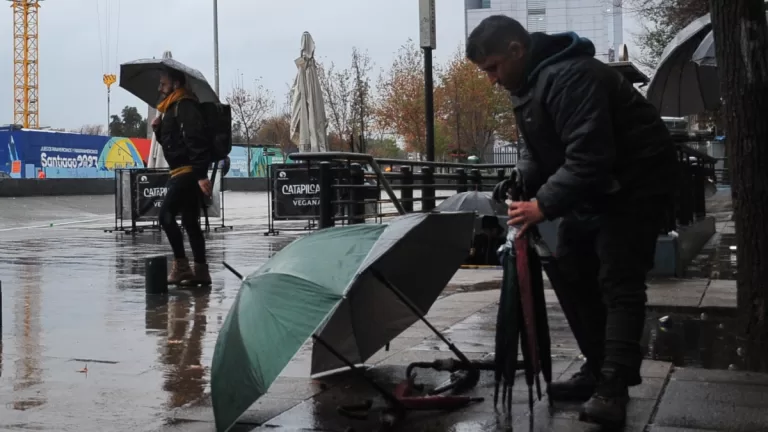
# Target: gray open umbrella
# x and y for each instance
(479, 202)
(705, 53)
(141, 79)
(679, 87)
(415, 256)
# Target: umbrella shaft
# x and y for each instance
(384, 393)
(407, 302)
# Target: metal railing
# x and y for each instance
(354, 188)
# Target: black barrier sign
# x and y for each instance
(296, 192)
(150, 192)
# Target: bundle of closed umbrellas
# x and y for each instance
(353, 289)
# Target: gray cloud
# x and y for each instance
(257, 39)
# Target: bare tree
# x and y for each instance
(277, 131)
(348, 99)
(91, 129)
(361, 106)
(249, 109)
(337, 93)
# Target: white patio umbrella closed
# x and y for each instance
(308, 121)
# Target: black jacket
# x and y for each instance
(587, 133)
(181, 134)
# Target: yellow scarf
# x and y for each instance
(177, 95)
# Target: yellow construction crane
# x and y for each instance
(25, 66)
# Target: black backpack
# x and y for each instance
(217, 124)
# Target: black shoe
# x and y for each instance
(579, 387)
(608, 406)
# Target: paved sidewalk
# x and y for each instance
(664, 295)
(669, 398)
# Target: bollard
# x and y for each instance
(357, 194)
(427, 189)
(325, 179)
(406, 192)
(477, 179)
(461, 180)
(156, 275)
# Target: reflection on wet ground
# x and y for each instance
(83, 348)
(695, 341)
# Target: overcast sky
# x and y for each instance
(258, 39)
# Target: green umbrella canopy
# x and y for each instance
(304, 288)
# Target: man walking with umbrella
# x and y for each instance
(180, 132)
(597, 155)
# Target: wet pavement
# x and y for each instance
(84, 349)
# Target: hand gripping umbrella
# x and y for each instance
(522, 307)
(351, 289)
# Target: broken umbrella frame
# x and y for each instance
(521, 320)
(403, 399)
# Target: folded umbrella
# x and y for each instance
(352, 289)
(522, 314)
(141, 78)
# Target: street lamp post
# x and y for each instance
(216, 46)
(427, 39)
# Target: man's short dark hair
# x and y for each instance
(493, 36)
(175, 76)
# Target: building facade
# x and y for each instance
(598, 20)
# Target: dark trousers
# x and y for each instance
(183, 197)
(604, 261)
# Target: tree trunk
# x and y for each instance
(742, 56)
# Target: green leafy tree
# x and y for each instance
(384, 148)
(128, 124)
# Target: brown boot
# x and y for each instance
(200, 276)
(180, 271)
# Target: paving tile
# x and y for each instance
(676, 293)
(720, 294)
(655, 369)
(675, 429)
(710, 416)
(700, 393)
(649, 389)
(719, 376)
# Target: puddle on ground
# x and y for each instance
(693, 341)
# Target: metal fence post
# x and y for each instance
(427, 189)
(501, 175)
(326, 195)
(477, 179)
(357, 194)
(461, 181)
(406, 192)
(699, 178)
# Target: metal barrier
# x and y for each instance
(139, 193)
(327, 189)
(697, 169)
